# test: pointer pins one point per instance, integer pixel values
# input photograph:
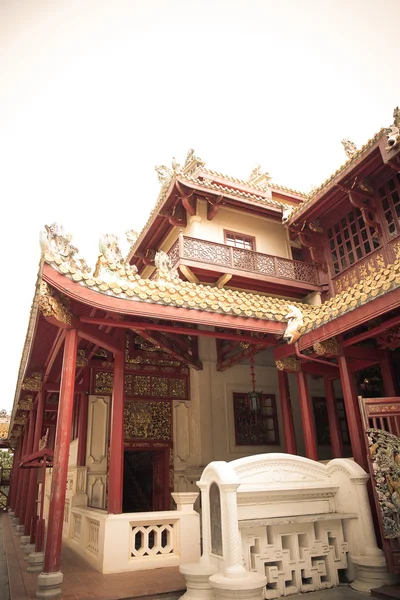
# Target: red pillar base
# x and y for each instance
(49, 585)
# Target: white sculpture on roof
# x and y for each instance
(56, 244)
(111, 265)
(165, 273)
(349, 147)
(295, 321)
(286, 213)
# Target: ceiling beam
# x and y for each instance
(157, 340)
(366, 335)
(58, 342)
(94, 335)
(141, 326)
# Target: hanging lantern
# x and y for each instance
(253, 398)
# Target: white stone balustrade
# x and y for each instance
(277, 524)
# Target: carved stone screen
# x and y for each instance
(215, 520)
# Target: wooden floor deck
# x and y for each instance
(81, 580)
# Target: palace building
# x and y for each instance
(247, 318)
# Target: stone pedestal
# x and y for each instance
(249, 587)
(24, 540)
(35, 562)
(29, 548)
(19, 530)
(197, 580)
(11, 514)
(14, 521)
(371, 572)
(49, 585)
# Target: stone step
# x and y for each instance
(386, 592)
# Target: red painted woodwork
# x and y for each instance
(28, 450)
(307, 417)
(58, 342)
(82, 430)
(352, 412)
(388, 375)
(116, 466)
(61, 454)
(287, 415)
(120, 306)
(32, 489)
(333, 417)
(15, 473)
(382, 413)
(21, 476)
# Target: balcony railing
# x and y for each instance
(206, 252)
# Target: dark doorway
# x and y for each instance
(138, 482)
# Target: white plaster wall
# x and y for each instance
(271, 236)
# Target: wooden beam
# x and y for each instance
(213, 207)
(223, 280)
(157, 340)
(191, 331)
(58, 342)
(363, 352)
(96, 336)
(240, 356)
(366, 335)
(188, 273)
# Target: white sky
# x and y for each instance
(94, 93)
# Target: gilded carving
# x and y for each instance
(54, 304)
(20, 421)
(178, 388)
(289, 363)
(44, 440)
(26, 403)
(141, 386)
(56, 245)
(147, 419)
(81, 360)
(159, 387)
(103, 383)
(330, 346)
(32, 383)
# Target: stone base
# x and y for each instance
(11, 514)
(371, 572)
(14, 521)
(49, 585)
(197, 581)
(19, 530)
(250, 587)
(29, 548)
(25, 539)
(35, 562)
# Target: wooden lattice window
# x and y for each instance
(239, 240)
(322, 421)
(389, 193)
(255, 428)
(350, 240)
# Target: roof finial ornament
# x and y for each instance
(165, 273)
(192, 163)
(259, 178)
(286, 213)
(349, 147)
(55, 244)
(165, 174)
(131, 236)
(111, 265)
(394, 134)
(295, 321)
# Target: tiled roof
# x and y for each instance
(373, 286)
(4, 430)
(273, 186)
(309, 198)
(181, 294)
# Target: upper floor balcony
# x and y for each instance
(211, 262)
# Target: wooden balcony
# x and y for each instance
(249, 269)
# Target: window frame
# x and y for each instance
(246, 238)
(323, 428)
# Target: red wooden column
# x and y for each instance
(287, 415)
(15, 476)
(26, 472)
(333, 419)
(116, 466)
(352, 413)
(18, 491)
(60, 463)
(33, 473)
(388, 375)
(307, 417)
